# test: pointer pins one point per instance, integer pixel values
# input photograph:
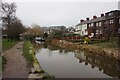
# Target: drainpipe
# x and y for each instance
(109, 31)
(0, 37)
(119, 42)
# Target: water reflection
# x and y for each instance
(63, 63)
(109, 66)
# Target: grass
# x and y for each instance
(1, 64)
(28, 52)
(48, 77)
(108, 44)
(7, 44)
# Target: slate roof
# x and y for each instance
(92, 20)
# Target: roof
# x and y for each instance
(118, 16)
(112, 11)
(100, 18)
(92, 20)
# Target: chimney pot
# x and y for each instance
(94, 17)
(102, 15)
(82, 20)
(87, 18)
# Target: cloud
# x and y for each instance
(60, 13)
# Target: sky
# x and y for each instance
(67, 13)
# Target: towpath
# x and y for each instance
(16, 65)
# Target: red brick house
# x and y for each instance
(104, 26)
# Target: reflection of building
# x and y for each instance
(109, 66)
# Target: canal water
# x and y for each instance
(75, 64)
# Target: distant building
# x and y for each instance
(53, 28)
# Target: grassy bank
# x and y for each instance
(109, 44)
(28, 52)
(1, 64)
(8, 44)
(36, 70)
(106, 48)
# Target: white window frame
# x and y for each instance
(97, 24)
(92, 24)
(100, 23)
(111, 21)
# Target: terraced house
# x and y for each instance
(105, 26)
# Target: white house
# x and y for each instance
(81, 28)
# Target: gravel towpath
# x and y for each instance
(16, 65)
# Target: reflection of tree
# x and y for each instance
(37, 46)
(86, 63)
(45, 45)
(108, 65)
(61, 51)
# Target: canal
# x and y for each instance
(63, 63)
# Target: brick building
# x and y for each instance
(104, 26)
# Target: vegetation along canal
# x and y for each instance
(75, 64)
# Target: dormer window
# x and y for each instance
(110, 14)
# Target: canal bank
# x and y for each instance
(32, 62)
(66, 63)
(110, 52)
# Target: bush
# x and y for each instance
(48, 77)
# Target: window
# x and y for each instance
(101, 32)
(97, 31)
(91, 24)
(111, 21)
(105, 22)
(119, 20)
(100, 23)
(97, 24)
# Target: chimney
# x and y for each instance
(94, 17)
(87, 18)
(81, 20)
(102, 15)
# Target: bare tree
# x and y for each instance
(0, 32)
(36, 30)
(8, 15)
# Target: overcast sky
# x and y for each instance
(60, 13)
